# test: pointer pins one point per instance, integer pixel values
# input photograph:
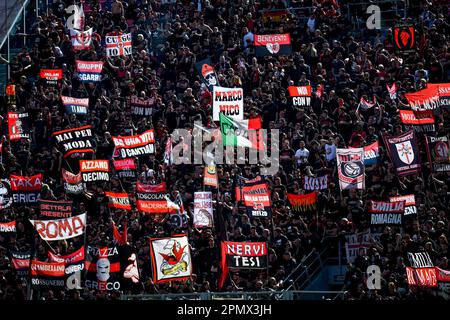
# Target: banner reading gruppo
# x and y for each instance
(229, 101)
(89, 71)
(272, 44)
(404, 153)
(137, 145)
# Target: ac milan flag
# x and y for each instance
(18, 126)
(118, 45)
(350, 165)
(171, 259)
(207, 73)
(272, 44)
(404, 153)
(438, 153)
(366, 105)
(81, 40)
(52, 77)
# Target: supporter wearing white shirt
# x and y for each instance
(248, 35)
(302, 154)
(330, 150)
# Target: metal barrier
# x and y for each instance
(245, 296)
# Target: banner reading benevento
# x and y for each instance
(303, 202)
(94, 170)
(386, 213)
(75, 105)
(102, 268)
(55, 209)
(47, 274)
(134, 146)
(118, 45)
(410, 203)
(75, 140)
(229, 101)
(171, 259)
(404, 39)
(73, 183)
(421, 271)
(301, 96)
(18, 126)
(207, 73)
(350, 165)
(89, 71)
(438, 153)
(315, 183)
(272, 44)
(203, 210)
(51, 76)
(256, 197)
(404, 153)
(60, 229)
(118, 200)
(26, 190)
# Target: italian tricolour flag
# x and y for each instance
(241, 133)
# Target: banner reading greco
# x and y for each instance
(203, 210)
(438, 153)
(89, 71)
(60, 229)
(404, 153)
(134, 146)
(350, 165)
(118, 45)
(171, 259)
(75, 140)
(272, 44)
(229, 101)
(102, 268)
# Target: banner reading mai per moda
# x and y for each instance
(404, 153)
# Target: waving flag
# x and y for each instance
(240, 133)
(392, 91)
(366, 105)
(118, 45)
(350, 164)
(81, 40)
(404, 153)
(272, 44)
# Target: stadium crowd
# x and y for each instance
(167, 40)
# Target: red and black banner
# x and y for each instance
(142, 106)
(51, 77)
(46, 275)
(73, 183)
(256, 197)
(301, 96)
(272, 44)
(425, 99)
(404, 153)
(386, 213)
(119, 201)
(301, 203)
(421, 121)
(75, 140)
(94, 170)
(18, 126)
(125, 168)
(438, 153)
(154, 199)
(242, 255)
(135, 146)
(8, 228)
(207, 73)
(74, 264)
(421, 271)
(102, 268)
(55, 209)
(26, 190)
(20, 261)
(404, 39)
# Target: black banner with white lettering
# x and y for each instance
(386, 213)
(75, 140)
(102, 268)
(438, 153)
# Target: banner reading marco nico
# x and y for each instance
(404, 153)
(229, 101)
(134, 146)
(272, 44)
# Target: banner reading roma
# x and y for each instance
(125, 168)
(404, 153)
(51, 76)
(89, 71)
(118, 45)
(94, 170)
(386, 213)
(256, 198)
(421, 271)
(26, 190)
(75, 105)
(18, 126)
(425, 99)
(60, 229)
(55, 209)
(410, 203)
(171, 259)
(421, 121)
(272, 44)
(102, 268)
(242, 255)
(303, 202)
(47, 274)
(350, 165)
(315, 183)
(75, 140)
(229, 101)
(203, 210)
(301, 96)
(438, 153)
(134, 146)
(118, 200)
(73, 183)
